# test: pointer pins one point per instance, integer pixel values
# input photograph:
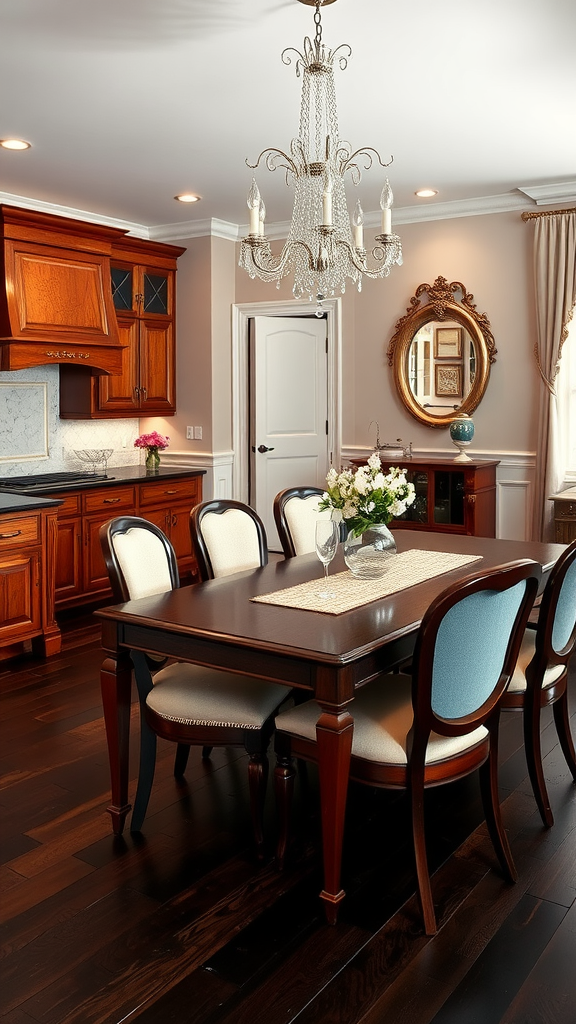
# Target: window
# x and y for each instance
(567, 401)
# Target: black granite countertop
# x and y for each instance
(13, 502)
(24, 503)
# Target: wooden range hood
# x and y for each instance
(56, 293)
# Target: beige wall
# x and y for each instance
(490, 255)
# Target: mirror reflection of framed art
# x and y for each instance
(448, 343)
(448, 380)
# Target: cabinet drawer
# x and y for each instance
(16, 532)
(71, 505)
(110, 499)
(170, 491)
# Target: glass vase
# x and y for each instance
(367, 556)
(152, 458)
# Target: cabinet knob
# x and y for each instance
(110, 501)
(136, 390)
(6, 536)
(145, 393)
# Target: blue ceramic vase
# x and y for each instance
(461, 434)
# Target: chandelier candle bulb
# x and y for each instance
(253, 202)
(327, 209)
(261, 217)
(358, 221)
(386, 200)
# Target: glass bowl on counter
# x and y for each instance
(97, 457)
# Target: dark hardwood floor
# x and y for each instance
(181, 925)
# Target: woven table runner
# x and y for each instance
(343, 591)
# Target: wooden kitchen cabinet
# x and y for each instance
(143, 293)
(168, 506)
(81, 574)
(55, 294)
(68, 576)
(27, 560)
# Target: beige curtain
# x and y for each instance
(555, 288)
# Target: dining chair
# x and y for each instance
(438, 724)
(227, 536)
(295, 514)
(540, 678)
(188, 704)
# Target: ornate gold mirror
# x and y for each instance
(441, 352)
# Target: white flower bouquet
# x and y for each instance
(367, 496)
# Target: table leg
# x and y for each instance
(116, 685)
(334, 731)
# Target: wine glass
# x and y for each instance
(327, 535)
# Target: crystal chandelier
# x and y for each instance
(322, 248)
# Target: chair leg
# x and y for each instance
(422, 872)
(145, 775)
(284, 775)
(181, 759)
(533, 749)
(492, 811)
(562, 721)
(257, 781)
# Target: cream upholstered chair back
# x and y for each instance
(227, 537)
(139, 558)
(296, 513)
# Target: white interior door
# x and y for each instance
(288, 410)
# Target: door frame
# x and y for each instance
(241, 314)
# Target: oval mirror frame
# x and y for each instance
(442, 304)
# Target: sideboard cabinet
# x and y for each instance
(451, 497)
(565, 516)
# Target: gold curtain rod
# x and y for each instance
(546, 213)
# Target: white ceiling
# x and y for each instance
(129, 102)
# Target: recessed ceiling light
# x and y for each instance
(426, 193)
(14, 144)
(188, 197)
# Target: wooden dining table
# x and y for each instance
(218, 624)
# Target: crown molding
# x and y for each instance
(544, 195)
(140, 230)
(518, 200)
(194, 229)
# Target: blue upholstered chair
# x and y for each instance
(541, 674)
(441, 722)
(188, 704)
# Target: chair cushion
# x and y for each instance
(232, 541)
(301, 516)
(382, 713)
(143, 562)
(200, 696)
(518, 682)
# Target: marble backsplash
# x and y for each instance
(33, 438)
